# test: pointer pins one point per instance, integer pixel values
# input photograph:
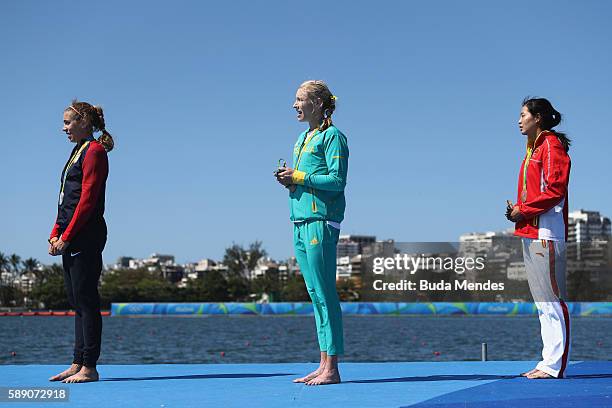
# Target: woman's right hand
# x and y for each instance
(285, 177)
(287, 184)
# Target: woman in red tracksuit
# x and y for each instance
(540, 215)
(79, 233)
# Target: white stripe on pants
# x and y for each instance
(545, 266)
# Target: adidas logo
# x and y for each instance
(314, 241)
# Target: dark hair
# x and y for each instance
(95, 116)
(550, 117)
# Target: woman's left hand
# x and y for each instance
(51, 247)
(60, 246)
(285, 177)
(516, 215)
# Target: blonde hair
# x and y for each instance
(317, 89)
(95, 116)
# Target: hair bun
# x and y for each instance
(99, 110)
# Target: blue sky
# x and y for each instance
(198, 96)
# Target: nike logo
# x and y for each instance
(75, 254)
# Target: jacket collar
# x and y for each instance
(540, 139)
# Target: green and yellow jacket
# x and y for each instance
(320, 162)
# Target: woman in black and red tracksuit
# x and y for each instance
(79, 233)
(541, 214)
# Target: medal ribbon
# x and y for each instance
(314, 132)
(72, 160)
(308, 139)
(527, 159)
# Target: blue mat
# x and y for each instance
(431, 385)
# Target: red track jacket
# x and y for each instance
(544, 205)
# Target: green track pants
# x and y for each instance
(315, 250)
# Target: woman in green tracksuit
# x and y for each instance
(316, 199)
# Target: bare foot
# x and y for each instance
(310, 376)
(74, 368)
(86, 374)
(525, 374)
(326, 377)
(539, 375)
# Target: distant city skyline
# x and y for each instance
(199, 99)
(588, 251)
(576, 233)
(366, 236)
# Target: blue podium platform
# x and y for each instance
(422, 385)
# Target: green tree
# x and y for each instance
(238, 288)
(15, 261)
(4, 264)
(11, 295)
(156, 290)
(240, 261)
(269, 283)
(194, 291)
(212, 287)
(294, 290)
(30, 265)
(135, 285)
(48, 272)
(49, 288)
(215, 287)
